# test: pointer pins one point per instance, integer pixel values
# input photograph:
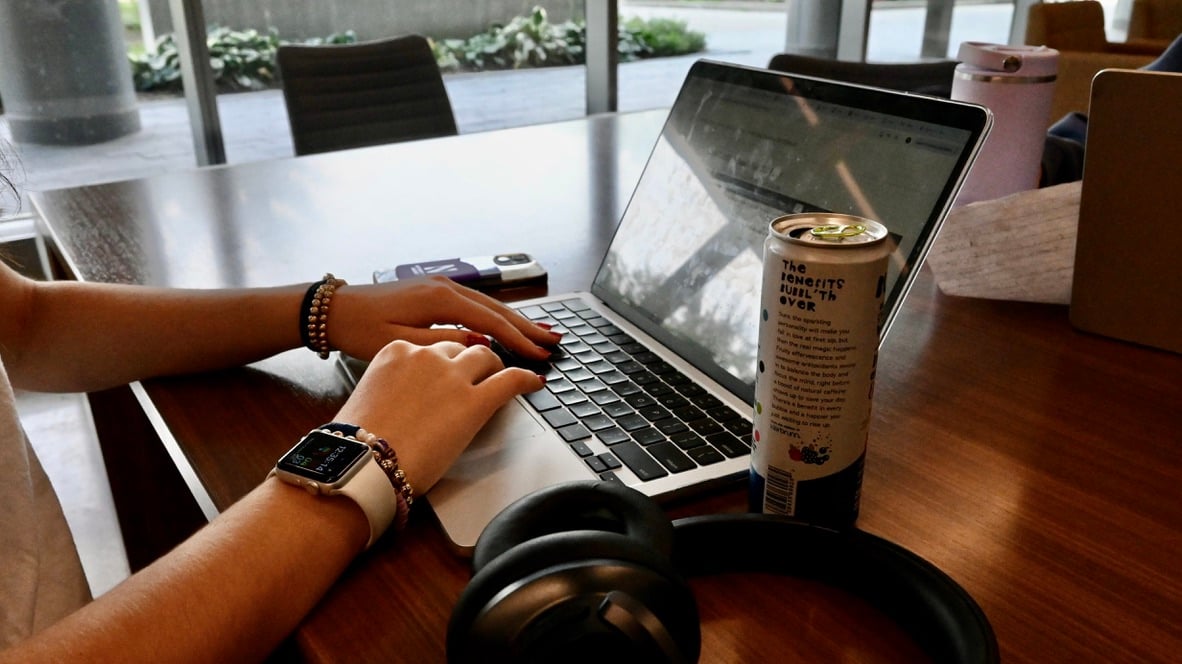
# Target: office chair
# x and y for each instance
(1155, 21)
(930, 78)
(1078, 26)
(343, 96)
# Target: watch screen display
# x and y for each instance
(323, 457)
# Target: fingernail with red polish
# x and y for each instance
(544, 326)
(542, 378)
(478, 340)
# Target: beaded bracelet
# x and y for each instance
(314, 314)
(387, 460)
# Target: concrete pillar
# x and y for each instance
(64, 74)
(813, 27)
(602, 56)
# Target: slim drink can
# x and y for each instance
(824, 278)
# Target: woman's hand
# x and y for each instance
(366, 318)
(429, 401)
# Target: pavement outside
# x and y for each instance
(255, 127)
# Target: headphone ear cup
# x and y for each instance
(545, 599)
(593, 505)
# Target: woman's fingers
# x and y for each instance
(427, 310)
(508, 383)
(491, 316)
(480, 361)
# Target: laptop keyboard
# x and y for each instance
(604, 384)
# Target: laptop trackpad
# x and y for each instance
(512, 456)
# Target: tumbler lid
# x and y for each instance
(1013, 60)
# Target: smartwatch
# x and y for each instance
(330, 464)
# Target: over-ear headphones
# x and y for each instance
(594, 572)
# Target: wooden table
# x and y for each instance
(1038, 466)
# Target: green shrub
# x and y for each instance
(525, 41)
(158, 68)
(532, 41)
(129, 14)
(240, 59)
(664, 36)
(245, 59)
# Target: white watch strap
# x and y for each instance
(372, 491)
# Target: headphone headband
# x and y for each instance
(928, 604)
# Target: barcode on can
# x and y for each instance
(779, 495)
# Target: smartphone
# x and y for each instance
(480, 272)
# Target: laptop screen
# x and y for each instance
(742, 146)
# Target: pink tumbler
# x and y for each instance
(1016, 83)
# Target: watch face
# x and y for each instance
(323, 457)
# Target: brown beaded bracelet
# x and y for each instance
(314, 314)
(388, 461)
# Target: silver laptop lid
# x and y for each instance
(742, 146)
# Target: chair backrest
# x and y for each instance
(931, 78)
(343, 96)
(1077, 25)
(1155, 19)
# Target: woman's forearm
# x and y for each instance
(230, 593)
(81, 336)
(70, 336)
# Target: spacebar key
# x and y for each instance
(638, 461)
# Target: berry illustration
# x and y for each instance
(811, 454)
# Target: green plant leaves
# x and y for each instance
(532, 41)
(245, 59)
(240, 59)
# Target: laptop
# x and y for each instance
(653, 382)
(1130, 186)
